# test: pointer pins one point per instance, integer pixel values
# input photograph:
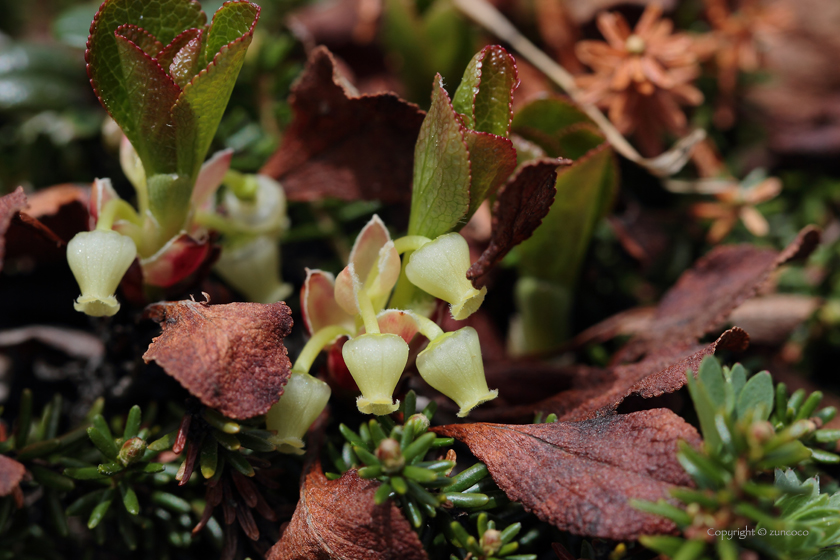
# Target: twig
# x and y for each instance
(491, 19)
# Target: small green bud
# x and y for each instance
(420, 423)
(131, 451)
(491, 541)
(440, 269)
(390, 455)
(762, 432)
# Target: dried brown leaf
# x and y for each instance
(519, 209)
(600, 391)
(10, 205)
(580, 476)
(343, 145)
(11, 473)
(230, 356)
(338, 520)
(706, 294)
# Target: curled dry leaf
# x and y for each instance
(343, 145)
(11, 473)
(231, 357)
(338, 520)
(22, 233)
(580, 476)
(705, 295)
(519, 209)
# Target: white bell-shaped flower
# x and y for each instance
(265, 213)
(452, 364)
(376, 362)
(303, 399)
(253, 269)
(440, 269)
(99, 259)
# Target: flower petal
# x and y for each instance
(318, 305)
(347, 285)
(210, 177)
(368, 243)
(180, 257)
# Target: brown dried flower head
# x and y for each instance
(736, 44)
(642, 76)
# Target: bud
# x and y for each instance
(253, 269)
(491, 541)
(376, 362)
(419, 423)
(440, 269)
(452, 364)
(762, 431)
(132, 451)
(390, 455)
(99, 259)
(303, 399)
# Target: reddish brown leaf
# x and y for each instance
(11, 473)
(343, 145)
(705, 295)
(519, 209)
(596, 392)
(230, 356)
(338, 520)
(580, 476)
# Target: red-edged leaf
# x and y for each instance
(581, 476)
(166, 55)
(231, 357)
(140, 37)
(338, 520)
(519, 210)
(492, 160)
(150, 96)
(485, 94)
(342, 145)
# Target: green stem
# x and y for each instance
(113, 210)
(314, 346)
(410, 243)
(427, 327)
(243, 186)
(214, 221)
(367, 312)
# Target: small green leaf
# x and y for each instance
(24, 420)
(171, 502)
(129, 499)
(132, 423)
(705, 409)
(757, 396)
(51, 479)
(101, 509)
(209, 457)
(100, 434)
(441, 184)
(710, 375)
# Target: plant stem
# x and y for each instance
(113, 210)
(314, 346)
(410, 243)
(427, 327)
(367, 312)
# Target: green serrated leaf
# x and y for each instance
(758, 396)
(163, 19)
(230, 22)
(441, 191)
(200, 107)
